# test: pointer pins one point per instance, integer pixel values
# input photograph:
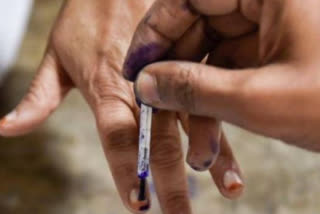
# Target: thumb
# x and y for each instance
(256, 99)
(47, 90)
(181, 86)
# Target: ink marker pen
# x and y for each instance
(144, 148)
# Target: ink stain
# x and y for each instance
(143, 56)
(196, 168)
(145, 208)
(215, 147)
(207, 163)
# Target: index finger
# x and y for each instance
(166, 22)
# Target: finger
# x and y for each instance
(119, 135)
(204, 133)
(236, 53)
(232, 25)
(205, 138)
(186, 86)
(46, 92)
(184, 119)
(167, 164)
(251, 9)
(214, 7)
(204, 142)
(261, 100)
(165, 23)
(195, 44)
(226, 173)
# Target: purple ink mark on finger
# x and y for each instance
(196, 168)
(143, 56)
(207, 163)
(215, 147)
(144, 208)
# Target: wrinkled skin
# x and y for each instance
(273, 47)
(86, 51)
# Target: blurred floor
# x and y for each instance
(60, 168)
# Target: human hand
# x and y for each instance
(178, 33)
(273, 94)
(86, 51)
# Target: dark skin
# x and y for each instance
(272, 49)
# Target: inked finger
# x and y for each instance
(167, 164)
(119, 135)
(204, 142)
(166, 22)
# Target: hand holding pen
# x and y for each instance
(209, 148)
(272, 47)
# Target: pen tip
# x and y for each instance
(142, 190)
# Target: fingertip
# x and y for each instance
(146, 88)
(204, 140)
(233, 184)
(226, 172)
(200, 163)
(140, 56)
(136, 205)
(6, 122)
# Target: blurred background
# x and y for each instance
(61, 169)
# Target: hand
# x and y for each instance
(176, 32)
(86, 51)
(275, 95)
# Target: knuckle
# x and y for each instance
(124, 169)
(105, 87)
(176, 200)
(120, 139)
(166, 151)
(185, 87)
(169, 12)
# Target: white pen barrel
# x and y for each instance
(144, 141)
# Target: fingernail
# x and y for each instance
(2, 121)
(195, 161)
(137, 204)
(138, 101)
(146, 88)
(201, 167)
(232, 181)
(7, 119)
